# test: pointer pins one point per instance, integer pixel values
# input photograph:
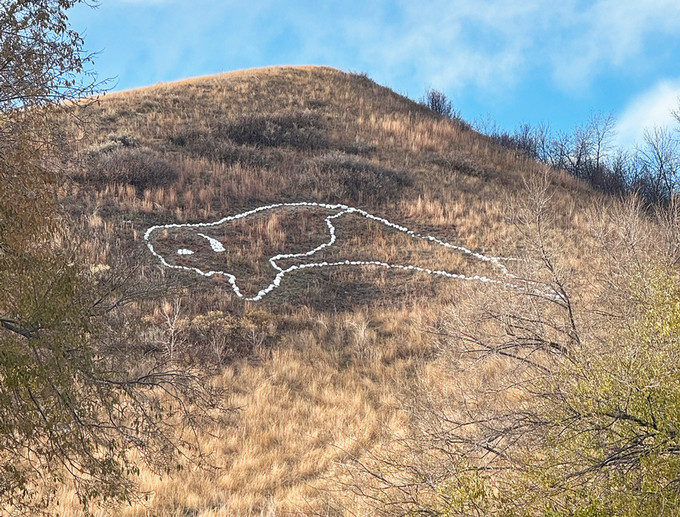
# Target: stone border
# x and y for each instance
(342, 210)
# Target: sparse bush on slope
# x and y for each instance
(580, 416)
(139, 167)
(222, 150)
(440, 104)
(339, 177)
(296, 129)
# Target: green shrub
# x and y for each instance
(612, 417)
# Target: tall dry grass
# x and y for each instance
(319, 368)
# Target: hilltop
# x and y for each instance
(325, 367)
(202, 149)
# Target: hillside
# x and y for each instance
(206, 148)
(325, 367)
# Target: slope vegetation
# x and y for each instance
(321, 367)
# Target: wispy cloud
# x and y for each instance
(524, 56)
(454, 45)
(494, 44)
(650, 109)
(608, 34)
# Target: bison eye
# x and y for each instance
(214, 243)
(184, 251)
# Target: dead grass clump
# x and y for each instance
(297, 129)
(210, 146)
(112, 142)
(457, 164)
(124, 165)
(339, 177)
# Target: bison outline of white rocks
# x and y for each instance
(217, 247)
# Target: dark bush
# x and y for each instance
(342, 178)
(222, 150)
(359, 148)
(453, 163)
(315, 103)
(297, 129)
(437, 102)
(139, 167)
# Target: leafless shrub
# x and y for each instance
(223, 338)
(660, 159)
(339, 177)
(439, 103)
(297, 129)
(222, 150)
(139, 167)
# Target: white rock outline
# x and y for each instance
(343, 209)
(214, 243)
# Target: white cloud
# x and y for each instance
(609, 33)
(452, 45)
(650, 109)
(460, 46)
(494, 45)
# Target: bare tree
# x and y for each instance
(581, 414)
(583, 153)
(602, 132)
(662, 162)
(439, 103)
(71, 412)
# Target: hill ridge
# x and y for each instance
(319, 366)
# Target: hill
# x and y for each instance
(323, 368)
(205, 148)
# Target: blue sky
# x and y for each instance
(508, 61)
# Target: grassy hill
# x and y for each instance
(323, 370)
(204, 148)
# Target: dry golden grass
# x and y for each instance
(323, 381)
